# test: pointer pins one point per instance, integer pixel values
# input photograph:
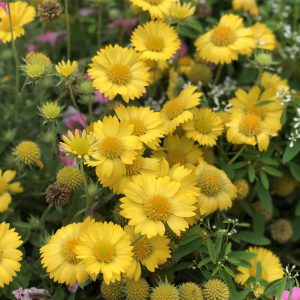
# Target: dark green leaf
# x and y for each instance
(258, 271)
(264, 103)
(258, 223)
(272, 171)
(211, 251)
(295, 170)
(245, 255)
(181, 266)
(253, 238)
(264, 179)
(251, 173)
(203, 262)
(229, 271)
(186, 249)
(291, 152)
(272, 288)
(265, 197)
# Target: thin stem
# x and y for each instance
(237, 155)
(15, 54)
(259, 76)
(90, 108)
(99, 26)
(72, 97)
(218, 75)
(54, 138)
(85, 187)
(68, 29)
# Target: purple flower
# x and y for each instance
(31, 48)
(295, 294)
(51, 38)
(127, 23)
(87, 11)
(73, 119)
(66, 161)
(3, 5)
(73, 288)
(30, 294)
(182, 51)
(99, 97)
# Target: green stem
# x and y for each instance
(218, 75)
(54, 138)
(85, 186)
(259, 76)
(237, 155)
(72, 97)
(90, 108)
(99, 26)
(15, 54)
(68, 29)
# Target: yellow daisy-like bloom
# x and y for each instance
(117, 146)
(180, 12)
(152, 202)
(150, 252)
(6, 187)
(270, 265)
(205, 127)
(246, 5)
(156, 8)
(178, 110)
(66, 69)
(216, 190)
(180, 150)
(71, 177)
(119, 71)
(139, 165)
(37, 64)
(226, 41)
(155, 40)
(21, 14)
(185, 64)
(58, 256)
(247, 104)
(105, 248)
(81, 144)
(51, 110)
(148, 125)
(273, 81)
(265, 39)
(9, 254)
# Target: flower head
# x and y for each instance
(190, 291)
(215, 289)
(246, 5)
(49, 10)
(28, 153)
(137, 289)
(181, 11)
(112, 291)
(165, 291)
(51, 110)
(66, 69)
(265, 38)
(71, 177)
(57, 194)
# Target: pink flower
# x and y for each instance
(30, 294)
(127, 23)
(99, 97)
(51, 38)
(295, 294)
(31, 48)
(73, 288)
(73, 119)
(66, 161)
(3, 5)
(182, 51)
(87, 11)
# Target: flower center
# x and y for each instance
(175, 158)
(158, 208)
(210, 183)
(142, 249)
(155, 43)
(138, 127)
(154, 2)
(80, 146)
(105, 252)
(173, 109)
(203, 124)
(3, 186)
(119, 74)
(250, 125)
(68, 251)
(111, 147)
(133, 168)
(222, 36)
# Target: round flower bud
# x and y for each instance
(281, 231)
(71, 177)
(284, 186)
(111, 291)
(199, 72)
(137, 290)
(34, 70)
(242, 187)
(9, 135)
(28, 153)
(57, 194)
(51, 110)
(263, 59)
(190, 291)
(49, 10)
(85, 87)
(215, 289)
(165, 291)
(114, 14)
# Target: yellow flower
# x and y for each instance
(139, 165)
(51, 110)
(156, 69)
(216, 190)
(150, 252)
(246, 5)
(226, 41)
(117, 146)
(6, 187)
(37, 64)
(58, 256)
(10, 255)
(180, 150)
(273, 81)
(190, 291)
(165, 291)
(152, 202)
(119, 71)
(184, 64)
(205, 127)
(265, 39)
(21, 14)
(181, 12)
(178, 110)
(70, 177)
(252, 124)
(105, 248)
(81, 144)
(215, 289)
(270, 265)
(155, 40)
(148, 125)
(156, 8)
(175, 84)
(66, 69)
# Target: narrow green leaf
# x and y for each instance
(251, 173)
(229, 271)
(203, 262)
(281, 289)
(265, 197)
(272, 288)
(272, 171)
(186, 249)
(211, 251)
(264, 103)
(258, 271)
(253, 238)
(242, 255)
(264, 179)
(258, 223)
(295, 170)
(291, 152)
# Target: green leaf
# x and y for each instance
(258, 271)
(204, 262)
(211, 251)
(291, 152)
(186, 249)
(258, 223)
(264, 179)
(251, 173)
(281, 289)
(253, 238)
(181, 266)
(264, 103)
(229, 271)
(295, 170)
(191, 23)
(272, 171)
(242, 255)
(239, 165)
(265, 198)
(272, 288)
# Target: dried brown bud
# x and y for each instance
(57, 194)
(49, 10)
(281, 231)
(204, 10)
